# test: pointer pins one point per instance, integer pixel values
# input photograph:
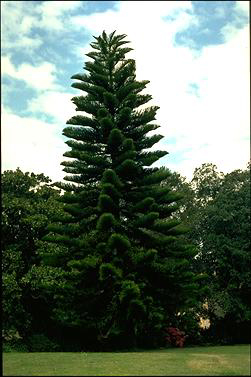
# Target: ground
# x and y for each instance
(190, 361)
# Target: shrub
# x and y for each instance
(189, 322)
(40, 343)
(14, 347)
(175, 337)
(12, 341)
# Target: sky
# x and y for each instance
(195, 54)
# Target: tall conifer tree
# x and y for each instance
(127, 267)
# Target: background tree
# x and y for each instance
(217, 211)
(225, 254)
(186, 207)
(28, 203)
(128, 272)
(218, 214)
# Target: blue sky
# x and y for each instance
(195, 54)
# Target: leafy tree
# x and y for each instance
(206, 182)
(186, 206)
(127, 271)
(226, 250)
(220, 228)
(203, 188)
(28, 204)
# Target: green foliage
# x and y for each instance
(129, 291)
(28, 202)
(115, 139)
(41, 343)
(106, 204)
(109, 176)
(16, 346)
(147, 220)
(120, 270)
(226, 219)
(107, 270)
(216, 207)
(119, 242)
(105, 222)
(13, 309)
(115, 244)
(206, 182)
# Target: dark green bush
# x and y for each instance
(41, 343)
(14, 347)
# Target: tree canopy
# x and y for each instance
(28, 204)
(128, 271)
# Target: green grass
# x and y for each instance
(194, 361)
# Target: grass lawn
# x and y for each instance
(194, 361)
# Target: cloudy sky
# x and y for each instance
(195, 54)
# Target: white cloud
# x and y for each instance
(32, 145)
(53, 103)
(215, 126)
(241, 12)
(58, 8)
(40, 77)
(229, 31)
(53, 13)
(210, 127)
(19, 18)
(145, 18)
(243, 6)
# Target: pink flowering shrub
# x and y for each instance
(175, 337)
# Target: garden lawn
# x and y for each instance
(193, 361)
